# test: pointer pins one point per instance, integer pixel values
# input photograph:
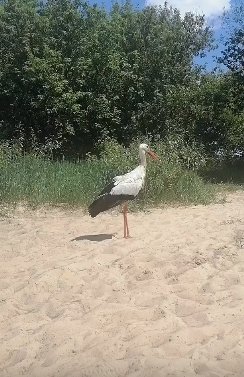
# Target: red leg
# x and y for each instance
(126, 227)
(124, 222)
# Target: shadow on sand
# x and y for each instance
(94, 237)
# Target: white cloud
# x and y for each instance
(208, 7)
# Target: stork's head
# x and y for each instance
(144, 147)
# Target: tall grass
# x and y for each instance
(36, 181)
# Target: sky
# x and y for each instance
(212, 9)
(207, 7)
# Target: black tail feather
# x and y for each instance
(107, 201)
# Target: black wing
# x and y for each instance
(108, 188)
(107, 201)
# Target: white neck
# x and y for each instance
(143, 159)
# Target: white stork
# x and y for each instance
(123, 188)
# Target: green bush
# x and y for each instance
(36, 181)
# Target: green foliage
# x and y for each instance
(233, 58)
(36, 181)
(233, 55)
(72, 74)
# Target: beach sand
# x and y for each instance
(77, 300)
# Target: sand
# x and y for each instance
(77, 300)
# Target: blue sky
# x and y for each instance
(213, 9)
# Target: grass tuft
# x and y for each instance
(37, 181)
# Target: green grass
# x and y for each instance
(36, 181)
(228, 172)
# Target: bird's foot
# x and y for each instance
(127, 236)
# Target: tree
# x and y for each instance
(18, 21)
(72, 74)
(233, 53)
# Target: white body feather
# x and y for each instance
(130, 183)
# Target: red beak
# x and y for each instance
(152, 155)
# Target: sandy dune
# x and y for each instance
(77, 301)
